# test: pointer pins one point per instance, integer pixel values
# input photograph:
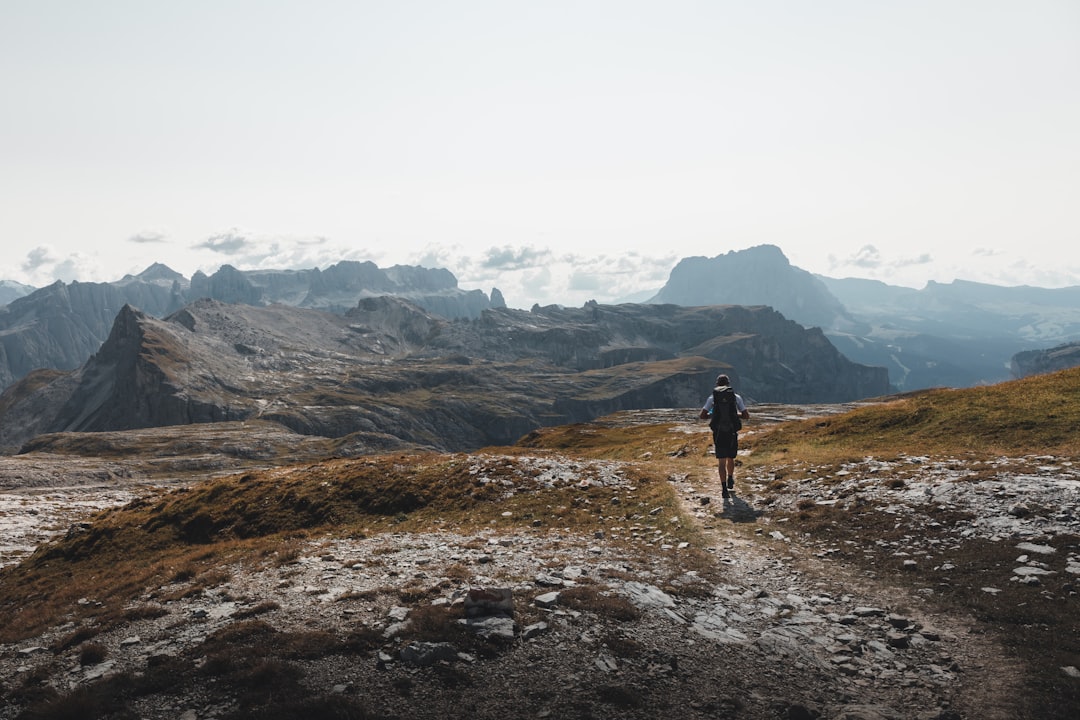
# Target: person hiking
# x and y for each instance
(725, 411)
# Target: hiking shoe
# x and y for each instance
(725, 494)
(731, 482)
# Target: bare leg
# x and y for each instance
(723, 469)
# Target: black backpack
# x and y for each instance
(725, 414)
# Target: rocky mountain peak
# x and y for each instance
(760, 275)
(10, 290)
(159, 272)
(390, 368)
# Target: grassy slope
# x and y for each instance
(1039, 414)
(254, 515)
(1025, 421)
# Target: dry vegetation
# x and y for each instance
(182, 540)
(127, 559)
(1025, 421)
(1035, 415)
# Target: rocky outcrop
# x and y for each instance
(760, 275)
(228, 285)
(1036, 362)
(339, 287)
(773, 359)
(956, 334)
(60, 326)
(10, 291)
(390, 369)
(747, 616)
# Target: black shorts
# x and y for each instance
(725, 444)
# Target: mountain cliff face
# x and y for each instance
(1036, 362)
(758, 276)
(389, 368)
(10, 290)
(60, 326)
(955, 334)
(340, 286)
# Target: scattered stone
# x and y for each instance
(800, 626)
(606, 663)
(534, 630)
(547, 600)
(483, 601)
(494, 627)
(868, 612)
(394, 629)
(1039, 549)
(423, 654)
(898, 640)
(99, 671)
(648, 596)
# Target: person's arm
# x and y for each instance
(704, 414)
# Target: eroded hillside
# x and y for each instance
(387, 369)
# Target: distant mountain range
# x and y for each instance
(387, 374)
(10, 290)
(61, 325)
(957, 334)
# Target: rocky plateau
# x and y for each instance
(389, 374)
(771, 625)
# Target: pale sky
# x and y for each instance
(560, 151)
